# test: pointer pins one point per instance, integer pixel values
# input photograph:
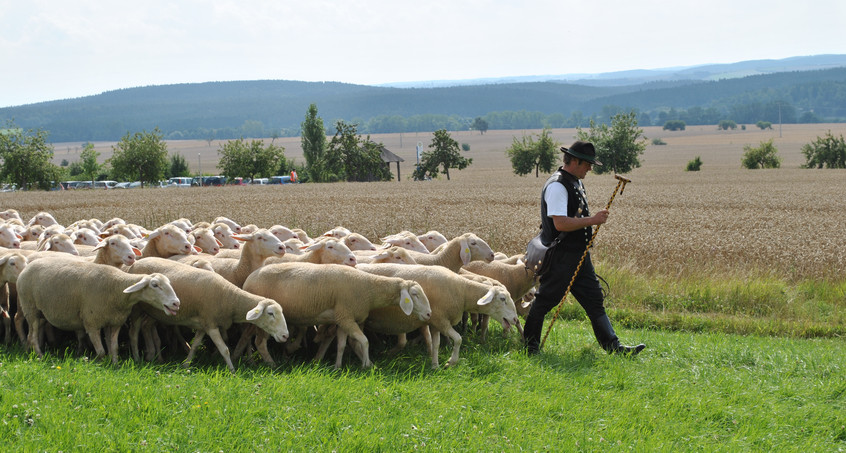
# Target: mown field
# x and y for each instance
(733, 278)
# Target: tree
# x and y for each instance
(674, 125)
(617, 147)
(828, 151)
(26, 158)
(90, 167)
(480, 125)
(443, 153)
(253, 160)
(140, 157)
(764, 125)
(764, 156)
(527, 154)
(313, 141)
(361, 158)
(178, 167)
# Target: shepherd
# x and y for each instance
(564, 212)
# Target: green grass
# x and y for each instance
(687, 391)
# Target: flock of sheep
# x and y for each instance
(242, 285)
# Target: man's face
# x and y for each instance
(578, 168)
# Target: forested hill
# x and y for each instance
(276, 107)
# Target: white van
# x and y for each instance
(260, 181)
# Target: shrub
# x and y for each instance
(465, 147)
(764, 125)
(726, 125)
(674, 125)
(694, 165)
(658, 142)
(764, 156)
(828, 151)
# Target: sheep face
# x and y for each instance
(9, 238)
(156, 290)
(10, 214)
(224, 234)
(120, 228)
(59, 243)
(432, 239)
(204, 239)
(283, 233)
(11, 266)
(333, 252)
(119, 250)
(293, 246)
(32, 233)
(264, 243)
(171, 240)
(499, 305)
(474, 248)
(85, 236)
(356, 241)
(182, 225)
(230, 223)
(407, 242)
(414, 301)
(397, 255)
(268, 316)
(44, 219)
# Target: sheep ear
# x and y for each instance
(138, 286)
(487, 298)
(255, 313)
(196, 249)
(243, 237)
(154, 235)
(136, 251)
(100, 245)
(219, 244)
(465, 251)
(3, 260)
(406, 304)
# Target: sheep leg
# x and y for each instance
(7, 326)
(244, 342)
(297, 342)
(484, 320)
(351, 329)
(19, 327)
(97, 341)
(341, 337)
(261, 345)
(402, 340)
(113, 332)
(134, 330)
(456, 345)
(215, 336)
(195, 344)
(427, 337)
(153, 341)
(436, 346)
(34, 333)
(324, 345)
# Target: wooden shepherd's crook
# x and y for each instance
(621, 185)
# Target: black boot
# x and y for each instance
(532, 334)
(608, 339)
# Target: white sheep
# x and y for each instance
(394, 254)
(229, 222)
(77, 295)
(58, 243)
(209, 304)
(450, 295)
(89, 224)
(456, 252)
(515, 277)
(85, 236)
(338, 232)
(122, 229)
(249, 228)
(10, 214)
(258, 247)
(224, 233)
(302, 235)
(205, 240)
(432, 239)
(405, 239)
(166, 241)
(282, 232)
(294, 246)
(30, 233)
(356, 241)
(327, 251)
(11, 265)
(44, 219)
(312, 294)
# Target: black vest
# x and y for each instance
(576, 207)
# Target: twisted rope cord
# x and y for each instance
(620, 183)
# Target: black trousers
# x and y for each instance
(586, 289)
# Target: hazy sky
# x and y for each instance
(57, 49)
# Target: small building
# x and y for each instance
(389, 157)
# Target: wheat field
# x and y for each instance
(786, 222)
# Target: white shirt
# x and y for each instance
(556, 200)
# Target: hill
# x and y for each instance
(264, 108)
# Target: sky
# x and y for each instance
(60, 49)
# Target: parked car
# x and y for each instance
(105, 184)
(238, 181)
(179, 182)
(280, 180)
(260, 181)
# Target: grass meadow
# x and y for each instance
(733, 278)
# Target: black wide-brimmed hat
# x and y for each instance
(582, 150)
